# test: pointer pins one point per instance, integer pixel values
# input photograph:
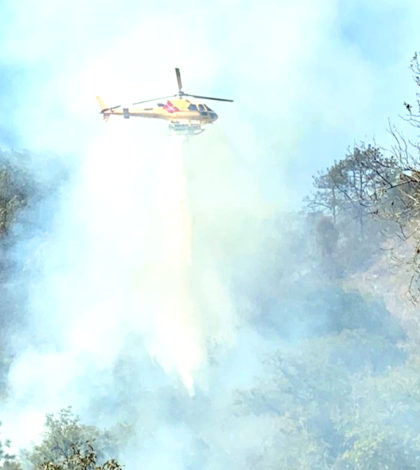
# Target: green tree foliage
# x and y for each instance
(344, 209)
(80, 459)
(68, 443)
(25, 180)
(340, 387)
(28, 195)
(379, 423)
(354, 194)
(12, 192)
(351, 188)
(324, 405)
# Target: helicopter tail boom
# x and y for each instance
(103, 107)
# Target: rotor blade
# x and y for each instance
(110, 109)
(208, 98)
(154, 99)
(178, 77)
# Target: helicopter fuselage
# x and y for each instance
(178, 110)
(184, 116)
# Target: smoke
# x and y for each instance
(290, 78)
(125, 271)
(157, 263)
(117, 263)
(137, 225)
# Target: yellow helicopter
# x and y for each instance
(184, 116)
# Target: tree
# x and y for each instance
(399, 198)
(326, 199)
(80, 458)
(349, 194)
(379, 420)
(351, 188)
(12, 196)
(414, 111)
(326, 236)
(68, 444)
(321, 395)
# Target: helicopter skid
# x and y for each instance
(185, 129)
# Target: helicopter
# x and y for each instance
(185, 116)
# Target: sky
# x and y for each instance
(309, 79)
(142, 213)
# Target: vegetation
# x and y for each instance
(377, 193)
(341, 392)
(337, 383)
(67, 445)
(67, 441)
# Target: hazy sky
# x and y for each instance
(309, 78)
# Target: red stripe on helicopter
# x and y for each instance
(170, 107)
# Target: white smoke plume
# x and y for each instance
(118, 265)
(141, 250)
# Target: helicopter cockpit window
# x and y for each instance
(201, 107)
(192, 107)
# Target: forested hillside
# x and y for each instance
(328, 307)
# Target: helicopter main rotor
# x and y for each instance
(178, 78)
(181, 93)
